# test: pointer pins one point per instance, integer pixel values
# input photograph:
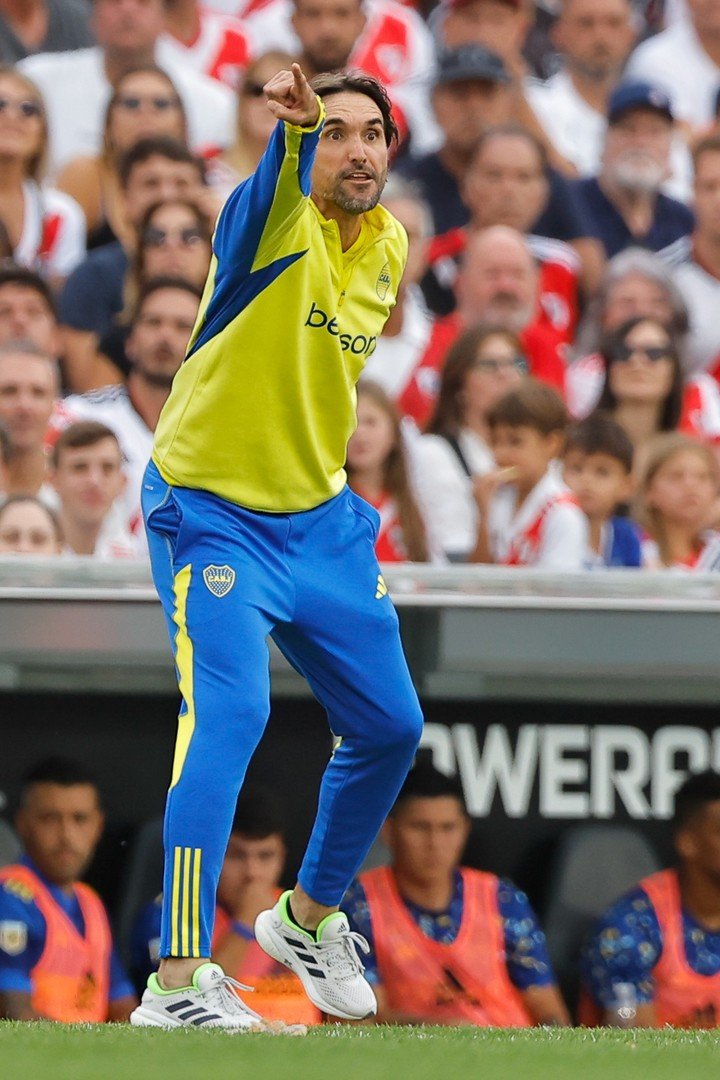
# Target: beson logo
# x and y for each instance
(359, 345)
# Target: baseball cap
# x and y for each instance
(470, 62)
(637, 95)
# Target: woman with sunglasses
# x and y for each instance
(482, 365)
(144, 104)
(45, 226)
(255, 124)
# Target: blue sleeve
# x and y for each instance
(120, 985)
(91, 297)
(357, 909)
(626, 549)
(22, 939)
(145, 943)
(526, 955)
(624, 948)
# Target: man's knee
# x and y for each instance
(404, 728)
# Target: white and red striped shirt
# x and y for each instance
(705, 559)
(548, 530)
(221, 49)
(53, 235)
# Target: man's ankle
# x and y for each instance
(176, 972)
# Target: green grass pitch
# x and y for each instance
(52, 1052)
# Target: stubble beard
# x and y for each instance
(358, 204)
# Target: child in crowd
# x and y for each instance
(676, 501)
(378, 471)
(529, 517)
(597, 467)
(28, 527)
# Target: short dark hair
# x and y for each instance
(259, 814)
(357, 82)
(10, 274)
(698, 790)
(166, 282)
(424, 781)
(65, 772)
(156, 146)
(82, 433)
(600, 434)
(532, 404)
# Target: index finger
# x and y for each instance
(300, 80)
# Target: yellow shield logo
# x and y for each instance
(219, 579)
(384, 281)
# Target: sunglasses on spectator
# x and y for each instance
(132, 102)
(491, 364)
(26, 108)
(253, 89)
(156, 238)
(650, 352)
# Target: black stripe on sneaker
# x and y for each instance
(306, 957)
(177, 1005)
(316, 973)
(193, 1012)
(204, 1019)
(295, 944)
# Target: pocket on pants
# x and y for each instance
(366, 513)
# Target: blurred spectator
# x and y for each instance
(597, 467)
(624, 203)
(46, 227)
(5, 451)
(87, 473)
(481, 366)
(206, 41)
(658, 947)
(497, 286)
(406, 333)
(255, 124)
(448, 945)
(378, 471)
(154, 170)
(249, 883)
(42, 26)
(528, 515)
(27, 527)
(143, 105)
(29, 386)
(506, 184)
(166, 312)
(77, 85)
(643, 387)
(594, 38)
(697, 266)
(677, 496)
(57, 960)
(685, 60)
(27, 310)
(380, 37)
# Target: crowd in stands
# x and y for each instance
(546, 391)
(447, 944)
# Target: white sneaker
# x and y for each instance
(210, 1001)
(329, 967)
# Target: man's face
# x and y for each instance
(351, 162)
(426, 837)
(160, 334)
(127, 25)
(466, 108)
(159, 180)
(28, 388)
(499, 25)
(60, 828)
(497, 285)
(328, 30)
(595, 36)
(25, 315)
(637, 150)
(88, 480)
(250, 863)
(707, 195)
(698, 842)
(506, 184)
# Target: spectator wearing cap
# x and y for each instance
(685, 60)
(624, 203)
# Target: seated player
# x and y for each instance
(658, 946)
(57, 960)
(249, 883)
(597, 467)
(448, 945)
